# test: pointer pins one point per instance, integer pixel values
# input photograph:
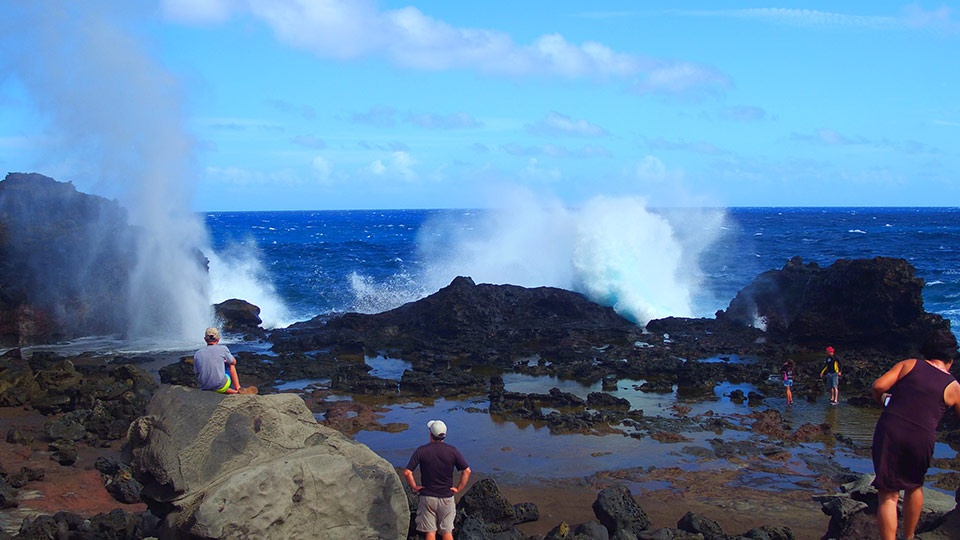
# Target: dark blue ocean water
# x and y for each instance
(645, 263)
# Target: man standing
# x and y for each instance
(831, 369)
(437, 460)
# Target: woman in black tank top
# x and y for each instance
(915, 393)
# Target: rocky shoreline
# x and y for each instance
(458, 343)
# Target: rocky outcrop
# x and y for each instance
(852, 303)
(483, 512)
(84, 401)
(259, 467)
(64, 259)
(240, 317)
(65, 263)
(493, 324)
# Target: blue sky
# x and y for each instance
(318, 104)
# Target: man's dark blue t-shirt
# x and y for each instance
(437, 461)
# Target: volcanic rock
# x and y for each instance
(489, 324)
(854, 303)
(240, 317)
(63, 261)
(617, 510)
(259, 467)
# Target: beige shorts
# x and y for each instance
(436, 514)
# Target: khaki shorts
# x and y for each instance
(436, 514)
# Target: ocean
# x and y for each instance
(646, 263)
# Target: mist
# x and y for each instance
(114, 127)
(614, 250)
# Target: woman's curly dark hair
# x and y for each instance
(941, 344)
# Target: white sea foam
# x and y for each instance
(237, 272)
(614, 250)
(373, 297)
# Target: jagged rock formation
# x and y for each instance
(240, 317)
(494, 323)
(861, 303)
(259, 467)
(64, 259)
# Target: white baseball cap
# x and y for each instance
(437, 428)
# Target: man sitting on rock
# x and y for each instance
(215, 367)
(437, 460)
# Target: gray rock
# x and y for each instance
(770, 533)
(526, 512)
(695, 523)
(617, 510)
(68, 427)
(484, 499)
(592, 529)
(260, 467)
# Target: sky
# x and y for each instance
(325, 104)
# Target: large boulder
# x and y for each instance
(854, 303)
(617, 510)
(240, 317)
(259, 467)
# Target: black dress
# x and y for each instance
(904, 437)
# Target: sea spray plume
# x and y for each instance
(237, 271)
(629, 258)
(699, 231)
(613, 250)
(527, 241)
(373, 297)
(115, 122)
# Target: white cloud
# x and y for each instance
(681, 78)
(559, 124)
(350, 29)
(652, 170)
(400, 164)
(535, 171)
(377, 167)
(321, 169)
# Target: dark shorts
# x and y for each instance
(833, 380)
